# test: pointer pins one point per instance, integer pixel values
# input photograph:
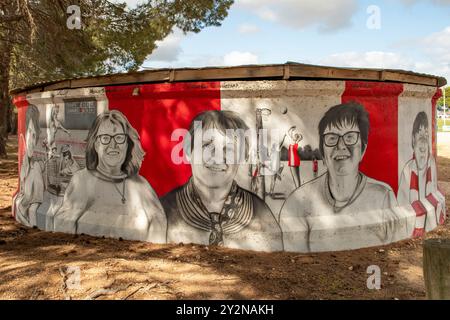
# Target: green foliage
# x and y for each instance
(113, 38)
(440, 102)
(36, 44)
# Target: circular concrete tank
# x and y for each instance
(276, 157)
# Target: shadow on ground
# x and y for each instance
(33, 264)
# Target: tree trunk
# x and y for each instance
(5, 56)
(436, 268)
(9, 124)
(13, 119)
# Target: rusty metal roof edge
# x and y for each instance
(209, 73)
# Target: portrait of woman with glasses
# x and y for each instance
(348, 208)
(109, 197)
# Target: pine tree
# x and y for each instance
(37, 45)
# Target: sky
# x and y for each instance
(411, 35)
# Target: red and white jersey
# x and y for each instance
(293, 156)
(315, 166)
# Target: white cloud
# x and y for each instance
(168, 49)
(437, 2)
(235, 58)
(388, 60)
(133, 3)
(248, 29)
(130, 3)
(437, 45)
(435, 50)
(326, 15)
(371, 59)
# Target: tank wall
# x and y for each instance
(295, 191)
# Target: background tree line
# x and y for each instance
(440, 103)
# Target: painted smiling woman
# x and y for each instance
(343, 208)
(109, 197)
(211, 208)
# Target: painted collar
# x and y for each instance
(362, 179)
(236, 213)
(99, 173)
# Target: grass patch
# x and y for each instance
(440, 123)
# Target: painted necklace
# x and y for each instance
(122, 194)
(113, 180)
(353, 197)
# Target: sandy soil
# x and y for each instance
(34, 264)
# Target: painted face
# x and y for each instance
(30, 139)
(421, 147)
(342, 154)
(219, 163)
(111, 145)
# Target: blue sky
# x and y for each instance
(412, 35)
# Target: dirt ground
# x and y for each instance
(35, 264)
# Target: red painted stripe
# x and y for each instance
(155, 113)
(434, 100)
(21, 104)
(419, 208)
(442, 218)
(429, 175)
(381, 101)
(432, 200)
(418, 232)
(294, 158)
(414, 183)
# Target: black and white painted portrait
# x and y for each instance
(54, 125)
(211, 208)
(68, 166)
(109, 197)
(418, 181)
(342, 205)
(31, 189)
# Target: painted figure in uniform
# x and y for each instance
(68, 164)
(418, 181)
(53, 127)
(293, 155)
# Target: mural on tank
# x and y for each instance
(301, 166)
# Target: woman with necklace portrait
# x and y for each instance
(109, 197)
(343, 208)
